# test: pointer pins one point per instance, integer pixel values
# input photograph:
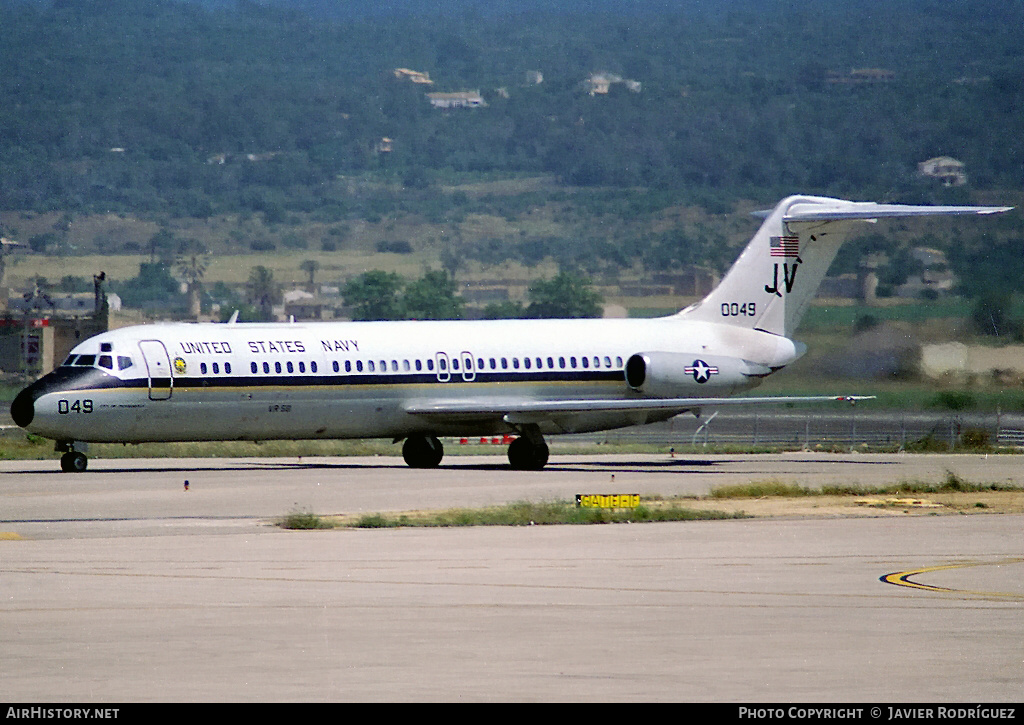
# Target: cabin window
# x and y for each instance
(430, 364)
(202, 368)
(312, 366)
(216, 369)
(494, 364)
(551, 364)
(405, 366)
(479, 363)
(302, 367)
(266, 367)
(443, 364)
(383, 366)
(561, 363)
(526, 363)
(419, 365)
(618, 362)
(253, 368)
(337, 368)
(586, 362)
(572, 362)
(370, 367)
(359, 366)
(227, 368)
(455, 364)
(607, 361)
(540, 363)
(515, 363)
(277, 367)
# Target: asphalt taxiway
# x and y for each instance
(120, 585)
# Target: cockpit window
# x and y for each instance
(123, 362)
(86, 360)
(106, 361)
(71, 360)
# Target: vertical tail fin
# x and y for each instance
(775, 278)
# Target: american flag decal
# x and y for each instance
(785, 246)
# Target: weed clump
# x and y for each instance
(304, 520)
(759, 489)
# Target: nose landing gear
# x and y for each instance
(73, 462)
(74, 459)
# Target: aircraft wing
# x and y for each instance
(534, 411)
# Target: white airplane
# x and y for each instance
(420, 380)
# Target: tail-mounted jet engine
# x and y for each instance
(673, 374)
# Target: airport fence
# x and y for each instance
(853, 428)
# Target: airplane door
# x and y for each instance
(158, 367)
(468, 370)
(443, 372)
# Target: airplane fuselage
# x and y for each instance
(185, 382)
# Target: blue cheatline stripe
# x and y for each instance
(214, 382)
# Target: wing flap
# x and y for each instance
(519, 410)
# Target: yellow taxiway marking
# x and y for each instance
(903, 579)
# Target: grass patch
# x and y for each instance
(779, 489)
(653, 508)
(518, 513)
(528, 513)
(951, 484)
(304, 521)
(760, 489)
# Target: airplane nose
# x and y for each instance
(23, 409)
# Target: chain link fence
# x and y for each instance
(852, 428)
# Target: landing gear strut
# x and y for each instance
(529, 452)
(422, 451)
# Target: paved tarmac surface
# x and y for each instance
(125, 587)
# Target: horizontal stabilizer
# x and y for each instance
(871, 210)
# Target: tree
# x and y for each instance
(374, 295)
(264, 292)
(565, 295)
(992, 314)
(433, 297)
(192, 267)
(310, 267)
(506, 310)
(153, 286)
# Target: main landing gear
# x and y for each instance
(529, 452)
(422, 451)
(526, 456)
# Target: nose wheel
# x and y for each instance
(74, 462)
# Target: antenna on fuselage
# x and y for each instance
(234, 318)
